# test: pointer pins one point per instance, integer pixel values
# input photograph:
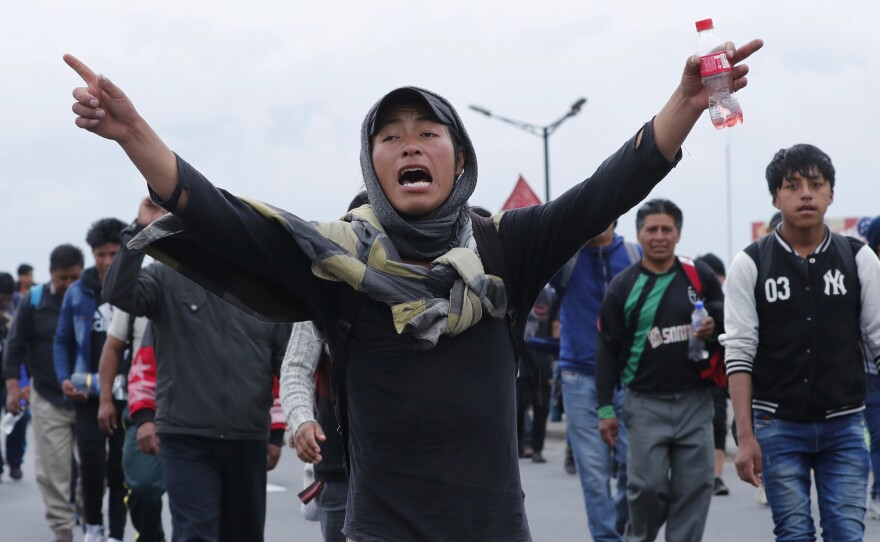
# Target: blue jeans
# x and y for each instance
(872, 417)
(16, 443)
(836, 453)
(593, 457)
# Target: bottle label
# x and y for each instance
(713, 64)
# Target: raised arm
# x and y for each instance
(103, 109)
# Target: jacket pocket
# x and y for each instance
(190, 310)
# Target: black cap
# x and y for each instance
(413, 95)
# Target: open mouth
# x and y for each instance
(415, 178)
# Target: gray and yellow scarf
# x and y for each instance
(446, 299)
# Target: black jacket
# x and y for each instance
(796, 324)
(31, 338)
(214, 364)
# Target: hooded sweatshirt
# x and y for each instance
(579, 310)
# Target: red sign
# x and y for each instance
(522, 196)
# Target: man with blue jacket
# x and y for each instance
(79, 339)
(581, 284)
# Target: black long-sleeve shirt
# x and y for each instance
(645, 323)
(432, 433)
(31, 340)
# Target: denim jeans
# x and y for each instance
(872, 417)
(593, 457)
(16, 442)
(836, 453)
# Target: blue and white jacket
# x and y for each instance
(80, 315)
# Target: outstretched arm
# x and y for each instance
(103, 109)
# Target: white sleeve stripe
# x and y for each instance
(738, 366)
(740, 337)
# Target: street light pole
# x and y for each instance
(543, 132)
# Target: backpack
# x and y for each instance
(492, 255)
(716, 372)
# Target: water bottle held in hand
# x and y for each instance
(697, 347)
(87, 383)
(7, 423)
(715, 69)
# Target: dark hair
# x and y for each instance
(714, 263)
(64, 256)
(24, 269)
(659, 206)
(103, 231)
(7, 284)
(802, 158)
(359, 199)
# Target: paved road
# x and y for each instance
(553, 501)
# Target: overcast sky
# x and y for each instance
(266, 99)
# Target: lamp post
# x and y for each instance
(540, 131)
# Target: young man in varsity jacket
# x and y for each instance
(644, 327)
(800, 303)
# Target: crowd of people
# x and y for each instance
(425, 330)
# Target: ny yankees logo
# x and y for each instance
(834, 281)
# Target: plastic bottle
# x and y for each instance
(7, 424)
(724, 109)
(696, 347)
(87, 383)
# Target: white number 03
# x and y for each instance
(777, 289)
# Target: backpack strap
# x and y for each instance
(690, 269)
(36, 295)
(492, 255)
(339, 367)
(848, 255)
(715, 371)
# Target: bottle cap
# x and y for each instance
(705, 24)
(698, 304)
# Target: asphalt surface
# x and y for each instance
(553, 501)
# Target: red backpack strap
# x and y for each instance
(690, 269)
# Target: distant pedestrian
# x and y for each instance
(23, 284)
(719, 395)
(79, 339)
(582, 284)
(15, 442)
(31, 341)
